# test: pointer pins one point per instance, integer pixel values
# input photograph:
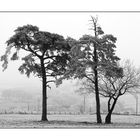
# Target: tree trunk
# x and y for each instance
(99, 120)
(108, 117)
(44, 93)
(95, 58)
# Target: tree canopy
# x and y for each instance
(46, 55)
(92, 55)
(43, 45)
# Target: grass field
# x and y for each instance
(67, 121)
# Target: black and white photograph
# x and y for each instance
(69, 70)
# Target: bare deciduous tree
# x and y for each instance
(115, 84)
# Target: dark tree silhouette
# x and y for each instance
(91, 55)
(46, 56)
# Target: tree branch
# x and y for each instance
(89, 78)
(50, 81)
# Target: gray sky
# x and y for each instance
(124, 26)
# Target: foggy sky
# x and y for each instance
(124, 26)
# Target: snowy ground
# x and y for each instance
(67, 121)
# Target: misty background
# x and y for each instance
(19, 94)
